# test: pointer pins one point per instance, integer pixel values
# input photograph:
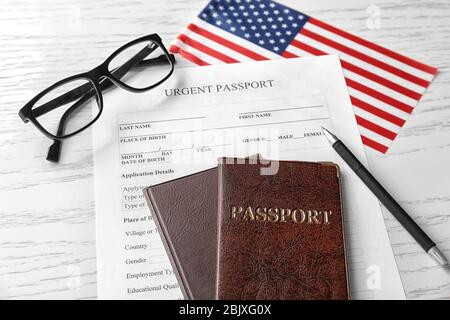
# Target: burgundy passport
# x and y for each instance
(185, 213)
(280, 234)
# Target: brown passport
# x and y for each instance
(185, 213)
(281, 234)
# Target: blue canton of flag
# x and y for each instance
(265, 23)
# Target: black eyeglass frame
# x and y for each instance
(95, 77)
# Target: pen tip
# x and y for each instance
(438, 256)
(330, 137)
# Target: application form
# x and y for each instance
(275, 108)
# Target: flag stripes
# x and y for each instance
(413, 63)
(226, 43)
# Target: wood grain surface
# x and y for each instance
(47, 234)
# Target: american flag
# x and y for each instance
(384, 86)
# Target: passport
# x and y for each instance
(280, 231)
(185, 213)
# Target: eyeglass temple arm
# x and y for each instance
(54, 151)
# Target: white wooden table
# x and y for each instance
(47, 235)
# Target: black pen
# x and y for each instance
(385, 198)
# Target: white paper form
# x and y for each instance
(275, 108)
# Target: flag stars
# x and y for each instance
(265, 23)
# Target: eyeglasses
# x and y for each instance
(73, 104)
